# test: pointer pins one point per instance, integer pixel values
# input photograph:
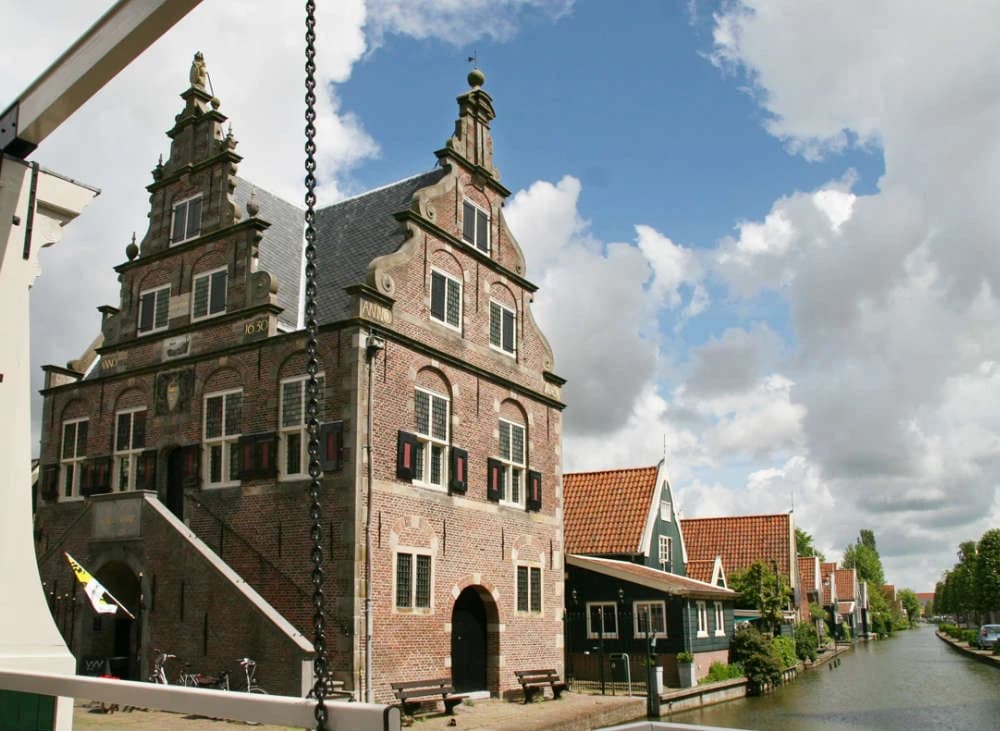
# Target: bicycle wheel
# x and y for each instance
(258, 689)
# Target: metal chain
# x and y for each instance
(320, 667)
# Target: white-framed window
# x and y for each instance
(529, 588)
(293, 450)
(476, 226)
(130, 439)
(74, 449)
(446, 299)
(413, 580)
(649, 616)
(665, 511)
(666, 552)
(221, 433)
(512, 456)
(431, 417)
(208, 294)
(154, 309)
(702, 619)
(602, 620)
(185, 223)
(503, 328)
(720, 620)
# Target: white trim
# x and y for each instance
(653, 512)
(499, 348)
(413, 608)
(430, 310)
(76, 461)
(173, 218)
(636, 634)
(591, 634)
(301, 428)
(208, 303)
(511, 467)
(426, 441)
(702, 608)
(132, 453)
(529, 565)
(489, 227)
(225, 440)
(720, 619)
(138, 320)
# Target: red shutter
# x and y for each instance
(534, 501)
(50, 482)
(331, 445)
(191, 465)
(406, 448)
(494, 479)
(459, 470)
(146, 471)
(96, 476)
(257, 460)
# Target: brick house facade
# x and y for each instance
(174, 462)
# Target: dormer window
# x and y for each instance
(186, 220)
(476, 227)
(209, 294)
(154, 307)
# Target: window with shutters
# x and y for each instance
(154, 309)
(413, 580)
(702, 619)
(720, 620)
(130, 439)
(431, 425)
(512, 456)
(602, 620)
(503, 328)
(649, 618)
(529, 589)
(666, 548)
(74, 450)
(476, 226)
(223, 420)
(446, 299)
(208, 294)
(185, 224)
(293, 449)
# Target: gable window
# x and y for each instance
(702, 619)
(512, 458)
(431, 416)
(186, 221)
(529, 589)
(503, 324)
(446, 299)
(209, 294)
(154, 308)
(74, 449)
(413, 581)
(221, 430)
(665, 511)
(666, 549)
(476, 226)
(649, 618)
(130, 438)
(294, 446)
(720, 620)
(602, 620)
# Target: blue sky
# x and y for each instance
(769, 224)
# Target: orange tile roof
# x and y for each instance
(605, 512)
(701, 570)
(890, 591)
(653, 578)
(741, 540)
(847, 582)
(825, 570)
(808, 566)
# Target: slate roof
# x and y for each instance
(741, 540)
(605, 512)
(351, 233)
(650, 577)
(281, 247)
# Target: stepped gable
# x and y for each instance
(353, 232)
(605, 512)
(741, 540)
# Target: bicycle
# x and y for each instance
(159, 673)
(250, 672)
(189, 679)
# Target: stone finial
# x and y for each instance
(253, 207)
(199, 73)
(132, 250)
(158, 170)
(476, 78)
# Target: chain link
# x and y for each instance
(320, 665)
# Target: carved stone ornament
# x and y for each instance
(173, 391)
(199, 74)
(386, 284)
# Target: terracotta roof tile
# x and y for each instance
(825, 569)
(741, 540)
(653, 578)
(605, 512)
(847, 582)
(701, 570)
(808, 568)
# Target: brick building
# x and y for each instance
(174, 461)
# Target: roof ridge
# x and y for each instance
(378, 189)
(616, 469)
(731, 517)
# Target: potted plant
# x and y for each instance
(686, 670)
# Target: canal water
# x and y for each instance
(911, 682)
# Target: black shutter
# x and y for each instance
(406, 456)
(49, 480)
(508, 331)
(331, 445)
(534, 501)
(146, 311)
(190, 458)
(482, 231)
(145, 476)
(469, 222)
(437, 295)
(257, 456)
(494, 479)
(459, 470)
(218, 296)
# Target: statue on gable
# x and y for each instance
(199, 74)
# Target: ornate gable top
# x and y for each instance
(472, 140)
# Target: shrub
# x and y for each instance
(806, 641)
(753, 651)
(685, 657)
(783, 648)
(721, 671)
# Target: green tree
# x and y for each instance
(806, 641)
(864, 557)
(988, 570)
(753, 651)
(762, 589)
(911, 605)
(804, 545)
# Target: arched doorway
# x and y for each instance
(116, 637)
(471, 626)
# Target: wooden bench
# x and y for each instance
(534, 681)
(406, 693)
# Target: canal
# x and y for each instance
(912, 682)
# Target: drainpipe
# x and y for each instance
(373, 344)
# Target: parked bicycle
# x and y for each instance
(250, 672)
(159, 671)
(216, 681)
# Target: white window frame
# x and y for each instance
(127, 459)
(665, 511)
(478, 210)
(665, 543)
(289, 431)
(186, 203)
(70, 465)
(702, 609)
(208, 303)
(415, 554)
(428, 441)
(720, 620)
(513, 469)
(534, 588)
(602, 607)
(648, 604)
(496, 310)
(157, 292)
(226, 441)
(448, 281)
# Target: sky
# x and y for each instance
(764, 232)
